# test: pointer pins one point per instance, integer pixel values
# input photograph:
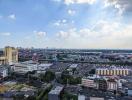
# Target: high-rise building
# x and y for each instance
(10, 56)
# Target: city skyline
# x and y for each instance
(86, 24)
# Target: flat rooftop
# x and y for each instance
(73, 65)
(57, 90)
(45, 65)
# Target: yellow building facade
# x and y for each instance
(112, 71)
(10, 56)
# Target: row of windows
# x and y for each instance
(112, 72)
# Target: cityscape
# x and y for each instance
(65, 49)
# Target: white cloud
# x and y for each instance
(63, 34)
(104, 34)
(64, 21)
(121, 5)
(5, 34)
(60, 22)
(79, 1)
(68, 34)
(71, 12)
(12, 16)
(57, 23)
(40, 33)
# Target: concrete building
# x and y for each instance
(3, 72)
(24, 67)
(81, 97)
(88, 82)
(96, 98)
(41, 68)
(2, 60)
(54, 94)
(129, 92)
(9, 56)
(101, 84)
(112, 84)
(73, 66)
(109, 71)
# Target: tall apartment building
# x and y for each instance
(10, 56)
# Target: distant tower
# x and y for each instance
(11, 55)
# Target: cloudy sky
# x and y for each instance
(66, 23)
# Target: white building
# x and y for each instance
(24, 67)
(42, 67)
(73, 66)
(54, 94)
(119, 84)
(3, 72)
(112, 84)
(81, 97)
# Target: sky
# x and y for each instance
(81, 24)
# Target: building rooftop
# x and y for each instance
(96, 98)
(57, 90)
(112, 67)
(45, 65)
(81, 97)
(73, 65)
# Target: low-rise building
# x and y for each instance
(112, 84)
(24, 67)
(41, 68)
(73, 66)
(86, 82)
(3, 72)
(81, 97)
(101, 84)
(109, 71)
(54, 94)
(96, 98)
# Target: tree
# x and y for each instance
(48, 76)
(66, 78)
(68, 96)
